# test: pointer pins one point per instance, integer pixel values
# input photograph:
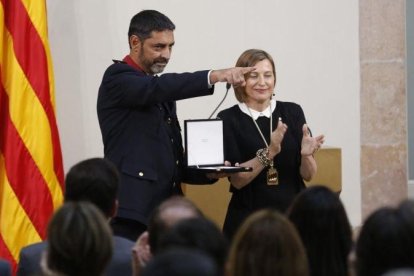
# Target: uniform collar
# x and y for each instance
(128, 60)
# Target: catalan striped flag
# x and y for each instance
(31, 171)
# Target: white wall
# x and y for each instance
(314, 43)
(410, 85)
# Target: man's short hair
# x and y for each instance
(95, 180)
(147, 21)
(160, 223)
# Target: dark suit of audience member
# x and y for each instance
(181, 262)
(200, 234)
(94, 180)
(323, 225)
(120, 263)
(5, 268)
(400, 272)
(386, 241)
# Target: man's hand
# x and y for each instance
(141, 253)
(234, 76)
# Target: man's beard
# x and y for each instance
(155, 66)
(158, 65)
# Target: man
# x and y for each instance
(96, 181)
(138, 120)
(162, 219)
(197, 233)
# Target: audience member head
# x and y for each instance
(247, 59)
(163, 217)
(79, 241)
(181, 262)
(168, 213)
(324, 228)
(197, 233)
(386, 240)
(267, 244)
(95, 180)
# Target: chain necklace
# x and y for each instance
(272, 174)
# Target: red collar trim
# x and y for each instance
(132, 63)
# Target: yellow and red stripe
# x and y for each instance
(31, 171)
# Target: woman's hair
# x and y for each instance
(79, 240)
(386, 240)
(324, 228)
(250, 58)
(267, 244)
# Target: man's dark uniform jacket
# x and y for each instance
(141, 133)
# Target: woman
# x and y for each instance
(79, 242)
(324, 228)
(267, 244)
(386, 241)
(271, 137)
